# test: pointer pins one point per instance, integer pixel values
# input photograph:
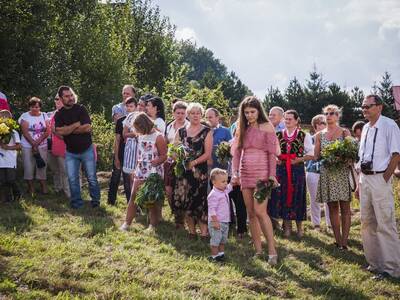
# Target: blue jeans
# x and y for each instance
(73, 163)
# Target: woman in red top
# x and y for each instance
(254, 150)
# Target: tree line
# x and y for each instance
(309, 98)
(97, 47)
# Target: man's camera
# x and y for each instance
(366, 166)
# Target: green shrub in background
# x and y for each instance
(103, 137)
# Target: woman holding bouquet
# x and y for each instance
(179, 121)
(289, 200)
(190, 194)
(334, 184)
(254, 158)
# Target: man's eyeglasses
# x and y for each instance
(368, 106)
(330, 113)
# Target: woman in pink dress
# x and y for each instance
(254, 150)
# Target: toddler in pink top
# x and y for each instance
(218, 213)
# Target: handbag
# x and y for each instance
(40, 163)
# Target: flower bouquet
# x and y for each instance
(7, 125)
(340, 154)
(151, 192)
(264, 189)
(182, 155)
(223, 153)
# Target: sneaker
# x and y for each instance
(220, 258)
(124, 227)
(150, 229)
(272, 260)
(381, 276)
(213, 259)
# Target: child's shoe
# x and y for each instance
(272, 260)
(124, 227)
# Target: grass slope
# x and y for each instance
(48, 251)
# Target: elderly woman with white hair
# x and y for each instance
(190, 193)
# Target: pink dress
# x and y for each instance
(256, 160)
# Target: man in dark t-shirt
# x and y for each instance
(118, 160)
(73, 123)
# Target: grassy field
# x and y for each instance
(48, 251)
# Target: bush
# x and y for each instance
(103, 137)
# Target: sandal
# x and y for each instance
(272, 260)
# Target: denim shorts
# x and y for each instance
(218, 236)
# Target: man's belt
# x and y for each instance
(372, 172)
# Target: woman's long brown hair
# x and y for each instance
(249, 101)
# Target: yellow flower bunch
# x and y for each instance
(4, 129)
(7, 125)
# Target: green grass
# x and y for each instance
(48, 251)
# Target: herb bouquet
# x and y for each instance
(340, 154)
(182, 155)
(264, 189)
(223, 153)
(151, 192)
(7, 125)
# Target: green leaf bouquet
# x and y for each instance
(340, 154)
(151, 192)
(223, 153)
(264, 189)
(182, 156)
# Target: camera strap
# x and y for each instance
(373, 145)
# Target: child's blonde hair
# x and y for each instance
(217, 171)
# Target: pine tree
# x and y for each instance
(384, 90)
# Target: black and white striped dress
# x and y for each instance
(130, 153)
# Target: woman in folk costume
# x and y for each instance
(288, 202)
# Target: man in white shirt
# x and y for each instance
(379, 154)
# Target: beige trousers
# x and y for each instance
(60, 178)
(30, 164)
(378, 224)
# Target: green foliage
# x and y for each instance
(210, 98)
(151, 192)
(340, 154)
(223, 153)
(264, 189)
(97, 48)
(103, 137)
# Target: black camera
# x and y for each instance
(366, 166)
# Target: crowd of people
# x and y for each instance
(214, 196)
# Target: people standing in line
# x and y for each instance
(379, 154)
(72, 122)
(119, 110)
(56, 154)
(9, 189)
(151, 155)
(156, 111)
(357, 129)
(334, 185)
(254, 151)
(289, 201)
(179, 120)
(219, 215)
(313, 168)
(35, 129)
(119, 154)
(276, 118)
(190, 193)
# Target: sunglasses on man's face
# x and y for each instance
(330, 113)
(367, 106)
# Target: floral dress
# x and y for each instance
(289, 201)
(146, 152)
(190, 193)
(333, 185)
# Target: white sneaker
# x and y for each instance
(124, 227)
(272, 260)
(150, 229)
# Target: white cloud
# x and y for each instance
(186, 33)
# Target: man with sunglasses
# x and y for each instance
(379, 155)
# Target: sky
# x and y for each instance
(269, 42)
